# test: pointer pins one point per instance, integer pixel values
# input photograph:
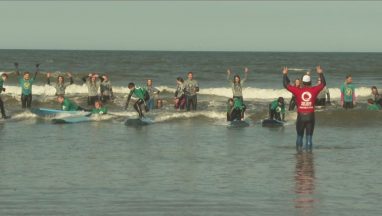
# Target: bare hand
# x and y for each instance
(69, 74)
(246, 70)
(48, 75)
(319, 69)
(228, 71)
(285, 70)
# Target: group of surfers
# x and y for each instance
(305, 97)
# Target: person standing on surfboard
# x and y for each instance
(3, 78)
(25, 83)
(142, 95)
(190, 90)
(305, 100)
(60, 85)
(93, 84)
(236, 84)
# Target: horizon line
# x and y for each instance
(231, 51)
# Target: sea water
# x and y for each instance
(190, 163)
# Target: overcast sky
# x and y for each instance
(192, 25)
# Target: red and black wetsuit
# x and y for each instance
(305, 100)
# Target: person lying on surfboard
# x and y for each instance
(142, 95)
(99, 108)
(68, 105)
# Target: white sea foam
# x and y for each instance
(249, 92)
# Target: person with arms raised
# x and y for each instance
(60, 85)
(305, 99)
(26, 83)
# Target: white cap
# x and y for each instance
(306, 78)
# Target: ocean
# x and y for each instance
(190, 163)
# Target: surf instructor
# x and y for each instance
(305, 99)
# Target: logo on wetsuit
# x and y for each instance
(306, 102)
(348, 91)
(27, 85)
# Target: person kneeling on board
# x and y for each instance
(142, 96)
(235, 110)
(68, 105)
(277, 109)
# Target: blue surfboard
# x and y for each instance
(45, 112)
(71, 120)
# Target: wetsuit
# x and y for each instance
(179, 94)
(348, 95)
(237, 111)
(142, 96)
(321, 98)
(305, 100)
(1, 101)
(292, 103)
(275, 110)
(26, 91)
(191, 88)
(100, 111)
(106, 91)
(373, 107)
(92, 89)
(60, 87)
(153, 92)
(378, 99)
(68, 105)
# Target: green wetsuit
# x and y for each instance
(101, 111)
(68, 105)
(373, 107)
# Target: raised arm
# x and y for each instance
(17, 68)
(37, 70)
(320, 72)
(286, 80)
(70, 78)
(246, 70)
(229, 75)
(48, 78)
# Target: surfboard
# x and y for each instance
(238, 124)
(45, 112)
(272, 123)
(71, 120)
(138, 122)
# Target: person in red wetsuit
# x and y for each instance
(305, 100)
